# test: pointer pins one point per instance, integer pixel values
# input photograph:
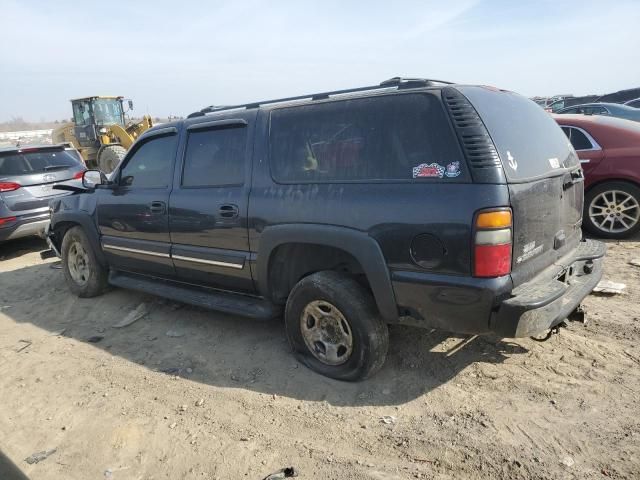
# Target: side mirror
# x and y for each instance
(92, 178)
(130, 104)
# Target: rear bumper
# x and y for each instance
(551, 296)
(492, 305)
(25, 227)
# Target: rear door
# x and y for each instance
(543, 174)
(133, 215)
(208, 206)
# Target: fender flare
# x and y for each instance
(360, 245)
(86, 222)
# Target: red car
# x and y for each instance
(609, 150)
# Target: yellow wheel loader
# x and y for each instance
(100, 132)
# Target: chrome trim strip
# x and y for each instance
(135, 250)
(208, 262)
(586, 160)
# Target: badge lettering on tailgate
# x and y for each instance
(528, 251)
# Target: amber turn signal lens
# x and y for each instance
(494, 219)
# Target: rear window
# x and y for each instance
(399, 137)
(529, 141)
(24, 163)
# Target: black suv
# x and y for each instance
(414, 201)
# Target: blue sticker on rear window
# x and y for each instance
(453, 169)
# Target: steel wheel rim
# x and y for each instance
(78, 263)
(614, 211)
(326, 332)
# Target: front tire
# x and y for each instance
(84, 275)
(612, 210)
(334, 327)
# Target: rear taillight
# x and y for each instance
(79, 175)
(7, 220)
(9, 186)
(492, 244)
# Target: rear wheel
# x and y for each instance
(109, 157)
(334, 327)
(612, 210)
(84, 275)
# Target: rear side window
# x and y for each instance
(578, 139)
(24, 163)
(150, 164)
(215, 157)
(529, 141)
(399, 137)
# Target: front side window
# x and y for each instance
(150, 164)
(379, 138)
(215, 157)
(82, 112)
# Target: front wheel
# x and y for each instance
(84, 275)
(612, 210)
(334, 327)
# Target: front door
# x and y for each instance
(133, 215)
(208, 205)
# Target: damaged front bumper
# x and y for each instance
(53, 250)
(552, 296)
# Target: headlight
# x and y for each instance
(102, 131)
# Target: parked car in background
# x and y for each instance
(27, 177)
(635, 103)
(609, 150)
(610, 109)
(413, 201)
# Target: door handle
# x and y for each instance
(158, 207)
(228, 211)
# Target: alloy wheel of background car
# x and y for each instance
(326, 332)
(78, 262)
(614, 211)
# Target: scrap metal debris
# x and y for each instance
(388, 419)
(133, 316)
(287, 472)
(607, 286)
(27, 343)
(39, 456)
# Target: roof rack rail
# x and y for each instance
(395, 82)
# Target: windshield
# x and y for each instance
(24, 163)
(107, 111)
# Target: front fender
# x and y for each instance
(76, 210)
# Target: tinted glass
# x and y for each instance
(15, 163)
(381, 138)
(526, 137)
(215, 157)
(150, 165)
(579, 140)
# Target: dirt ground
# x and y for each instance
(223, 398)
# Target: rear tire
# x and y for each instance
(109, 157)
(84, 275)
(612, 210)
(334, 327)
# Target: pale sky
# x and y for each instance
(175, 57)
